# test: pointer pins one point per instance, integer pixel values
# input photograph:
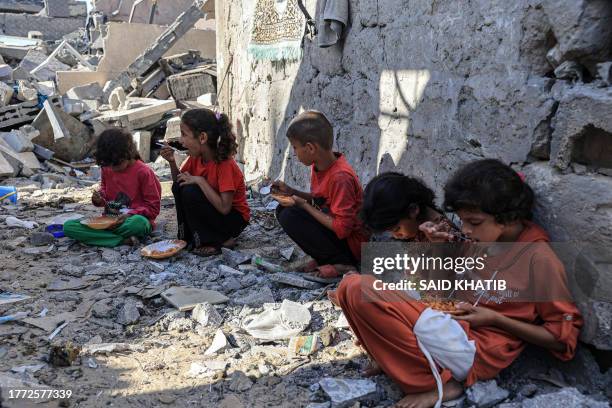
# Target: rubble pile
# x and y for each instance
(56, 95)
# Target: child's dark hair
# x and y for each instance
(492, 187)
(114, 146)
(312, 127)
(389, 197)
(217, 126)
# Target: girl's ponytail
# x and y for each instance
(226, 143)
(217, 126)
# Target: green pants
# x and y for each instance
(135, 226)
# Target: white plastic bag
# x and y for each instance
(278, 323)
(443, 341)
(16, 222)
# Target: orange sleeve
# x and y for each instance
(555, 307)
(225, 176)
(343, 199)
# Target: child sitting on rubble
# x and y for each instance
(324, 222)
(209, 189)
(129, 190)
(431, 356)
(403, 206)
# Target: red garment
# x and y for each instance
(339, 187)
(383, 322)
(222, 177)
(139, 183)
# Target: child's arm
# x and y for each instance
(531, 333)
(221, 201)
(168, 154)
(326, 220)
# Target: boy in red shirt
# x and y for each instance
(129, 186)
(324, 222)
(209, 189)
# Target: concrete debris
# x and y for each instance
(206, 315)
(239, 382)
(346, 392)
(218, 344)
(294, 280)
(128, 314)
(233, 258)
(567, 397)
(190, 85)
(486, 394)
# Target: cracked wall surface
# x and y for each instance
(423, 87)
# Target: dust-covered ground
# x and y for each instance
(158, 355)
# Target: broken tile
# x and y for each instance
(294, 280)
(72, 284)
(50, 323)
(185, 299)
(234, 258)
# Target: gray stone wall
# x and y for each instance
(425, 86)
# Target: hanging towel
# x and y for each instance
(334, 18)
(278, 30)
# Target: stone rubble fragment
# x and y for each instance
(485, 394)
(206, 315)
(345, 392)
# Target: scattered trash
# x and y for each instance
(303, 345)
(270, 267)
(57, 331)
(92, 363)
(8, 193)
(17, 223)
(8, 298)
(13, 317)
(185, 299)
(279, 322)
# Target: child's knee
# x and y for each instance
(350, 290)
(71, 226)
(286, 216)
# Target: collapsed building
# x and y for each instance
(67, 74)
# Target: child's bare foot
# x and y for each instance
(371, 369)
(452, 390)
(131, 241)
(230, 243)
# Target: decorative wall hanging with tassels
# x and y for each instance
(278, 30)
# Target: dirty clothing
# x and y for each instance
(383, 321)
(321, 243)
(135, 226)
(199, 222)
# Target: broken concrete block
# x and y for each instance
(6, 169)
(117, 99)
(185, 299)
(150, 112)
(35, 35)
(142, 138)
(257, 298)
(37, 63)
(582, 128)
(567, 397)
(74, 107)
(92, 91)
(344, 393)
(209, 99)
(18, 141)
(128, 314)
(30, 131)
(571, 71)
(79, 141)
(59, 129)
(6, 94)
(189, 85)
(26, 162)
(26, 92)
(240, 382)
(486, 394)
(582, 28)
(219, 343)
(173, 130)
(206, 315)
(6, 72)
(43, 153)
